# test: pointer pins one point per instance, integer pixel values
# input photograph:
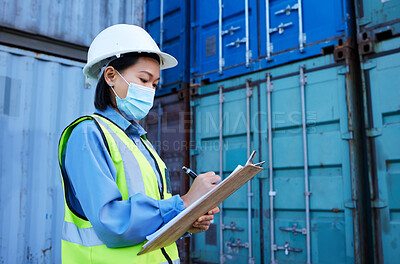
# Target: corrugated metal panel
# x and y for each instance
(329, 164)
(382, 94)
(174, 39)
(223, 54)
(167, 129)
(39, 96)
(378, 21)
(74, 21)
(374, 13)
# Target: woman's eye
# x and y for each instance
(143, 80)
(155, 86)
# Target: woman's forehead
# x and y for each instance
(146, 65)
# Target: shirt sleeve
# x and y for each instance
(92, 174)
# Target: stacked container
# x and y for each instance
(231, 38)
(39, 96)
(168, 123)
(379, 48)
(167, 22)
(311, 87)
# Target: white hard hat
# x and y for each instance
(117, 40)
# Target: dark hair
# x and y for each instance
(102, 96)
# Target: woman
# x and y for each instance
(116, 186)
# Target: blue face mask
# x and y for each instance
(138, 101)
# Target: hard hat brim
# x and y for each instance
(92, 68)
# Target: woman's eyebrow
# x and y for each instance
(149, 73)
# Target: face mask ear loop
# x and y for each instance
(122, 77)
(114, 91)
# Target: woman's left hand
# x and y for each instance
(204, 221)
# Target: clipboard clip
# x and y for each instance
(251, 159)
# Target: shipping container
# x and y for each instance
(278, 77)
(231, 38)
(377, 21)
(39, 96)
(378, 13)
(168, 23)
(168, 129)
(305, 143)
(76, 21)
(382, 96)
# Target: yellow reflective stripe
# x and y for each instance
(76, 253)
(149, 177)
(118, 163)
(83, 236)
(133, 174)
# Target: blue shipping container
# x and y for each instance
(227, 41)
(167, 22)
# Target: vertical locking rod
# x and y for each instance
(305, 154)
(271, 179)
(246, 12)
(301, 34)
(160, 82)
(221, 172)
(249, 193)
(220, 58)
(267, 26)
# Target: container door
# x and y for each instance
(205, 36)
(233, 33)
(39, 96)
(217, 49)
(372, 13)
(331, 232)
(383, 97)
(235, 239)
(169, 29)
(293, 25)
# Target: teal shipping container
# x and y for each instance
(376, 14)
(245, 105)
(381, 90)
(309, 203)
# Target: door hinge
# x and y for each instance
(374, 132)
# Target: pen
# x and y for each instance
(189, 172)
(193, 175)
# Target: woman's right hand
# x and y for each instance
(201, 185)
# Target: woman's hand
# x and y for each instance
(201, 185)
(204, 221)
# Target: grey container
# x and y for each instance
(72, 21)
(39, 96)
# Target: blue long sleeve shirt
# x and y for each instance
(95, 194)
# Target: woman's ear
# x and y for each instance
(109, 75)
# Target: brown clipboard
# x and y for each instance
(213, 198)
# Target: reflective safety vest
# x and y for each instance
(80, 244)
